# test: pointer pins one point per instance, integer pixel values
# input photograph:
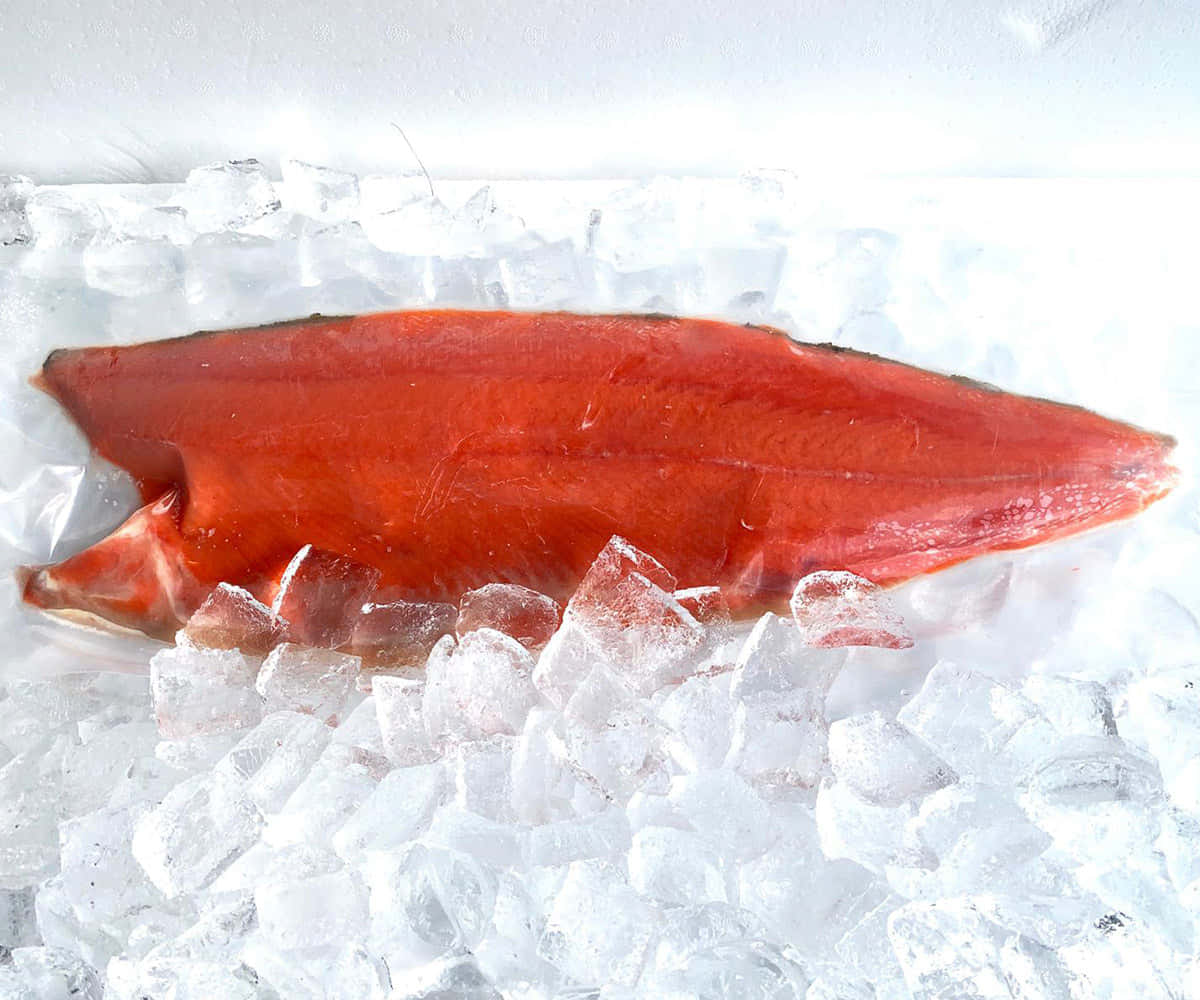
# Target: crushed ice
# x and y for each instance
(986, 789)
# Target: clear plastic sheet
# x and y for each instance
(1073, 291)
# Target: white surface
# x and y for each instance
(124, 91)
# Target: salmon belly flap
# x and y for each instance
(439, 451)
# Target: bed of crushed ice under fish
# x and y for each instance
(560, 806)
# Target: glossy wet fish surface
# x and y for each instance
(416, 456)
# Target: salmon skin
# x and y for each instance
(444, 450)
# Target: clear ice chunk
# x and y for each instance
(336, 786)
(458, 829)
(457, 977)
(100, 876)
(131, 268)
(882, 762)
(321, 595)
(603, 835)
(698, 716)
(398, 702)
(396, 812)
(529, 617)
(231, 618)
(483, 777)
(675, 867)
(39, 973)
(598, 928)
(980, 727)
(726, 810)
(835, 608)
(60, 221)
(312, 912)
(202, 825)
(227, 196)
(14, 226)
(426, 902)
(318, 192)
(199, 691)
(303, 679)
(273, 758)
(400, 633)
(18, 923)
(947, 948)
(478, 688)
(1073, 707)
(873, 836)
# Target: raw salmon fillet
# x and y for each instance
(445, 450)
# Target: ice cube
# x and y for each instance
(483, 777)
(361, 728)
(321, 595)
(601, 699)
(546, 784)
(273, 758)
(882, 762)
(675, 867)
(30, 808)
(947, 948)
(14, 193)
(980, 837)
(100, 877)
(604, 835)
(457, 829)
(48, 974)
(737, 970)
(264, 863)
(618, 757)
(699, 716)
(979, 727)
(806, 899)
(340, 781)
(774, 660)
(478, 688)
(1073, 707)
(545, 275)
(529, 617)
(231, 618)
(611, 590)
(779, 737)
(397, 811)
(1086, 770)
(202, 825)
(59, 219)
(227, 196)
(303, 679)
(426, 902)
(91, 771)
(598, 928)
(457, 977)
(398, 702)
(723, 807)
(200, 691)
(18, 925)
(567, 660)
(836, 608)
(400, 632)
(706, 604)
(318, 192)
(1162, 714)
(626, 609)
(311, 912)
(131, 267)
(873, 836)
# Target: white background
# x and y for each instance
(146, 89)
